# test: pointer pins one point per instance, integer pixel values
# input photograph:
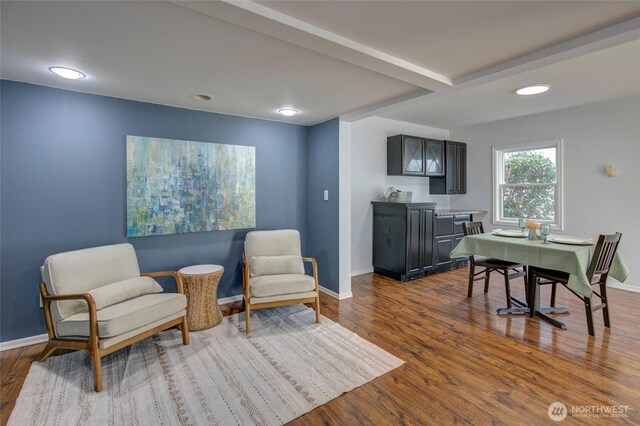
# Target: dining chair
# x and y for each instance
(509, 270)
(597, 274)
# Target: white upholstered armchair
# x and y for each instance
(273, 272)
(97, 300)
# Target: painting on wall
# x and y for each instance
(176, 186)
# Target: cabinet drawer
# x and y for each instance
(458, 220)
(462, 218)
(444, 225)
(443, 246)
(456, 241)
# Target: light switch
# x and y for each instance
(326, 195)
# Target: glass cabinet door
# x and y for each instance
(413, 156)
(435, 158)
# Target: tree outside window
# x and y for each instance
(527, 183)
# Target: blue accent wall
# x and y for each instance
(63, 183)
(324, 215)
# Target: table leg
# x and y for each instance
(521, 309)
(536, 310)
(532, 307)
(518, 302)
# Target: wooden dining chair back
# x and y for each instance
(472, 228)
(602, 258)
(597, 274)
(509, 270)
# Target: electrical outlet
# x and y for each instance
(326, 195)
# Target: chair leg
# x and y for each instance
(507, 288)
(472, 271)
(185, 331)
(97, 369)
(553, 295)
(589, 312)
(248, 317)
(486, 280)
(533, 296)
(46, 352)
(318, 309)
(605, 302)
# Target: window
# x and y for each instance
(527, 183)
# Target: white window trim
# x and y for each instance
(498, 151)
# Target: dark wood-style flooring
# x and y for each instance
(464, 363)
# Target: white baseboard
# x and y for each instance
(42, 338)
(628, 287)
(27, 341)
(229, 299)
(335, 295)
(361, 272)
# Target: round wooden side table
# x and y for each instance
(201, 288)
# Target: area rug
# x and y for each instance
(287, 366)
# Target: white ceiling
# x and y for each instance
(606, 74)
(456, 38)
(443, 64)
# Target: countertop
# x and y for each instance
(412, 203)
(449, 212)
(438, 212)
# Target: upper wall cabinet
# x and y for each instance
(455, 178)
(435, 157)
(414, 156)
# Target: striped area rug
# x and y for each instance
(286, 367)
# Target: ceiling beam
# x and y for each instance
(256, 17)
(615, 35)
(592, 42)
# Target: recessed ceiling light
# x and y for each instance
(201, 97)
(288, 112)
(69, 73)
(533, 89)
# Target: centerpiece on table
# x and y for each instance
(533, 227)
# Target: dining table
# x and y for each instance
(571, 258)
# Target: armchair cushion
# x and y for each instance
(120, 291)
(272, 243)
(125, 316)
(80, 271)
(276, 265)
(275, 285)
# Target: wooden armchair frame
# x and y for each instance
(91, 344)
(246, 292)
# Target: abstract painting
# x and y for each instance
(176, 186)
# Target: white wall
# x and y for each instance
(369, 180)
(345, 210)
(595, 135)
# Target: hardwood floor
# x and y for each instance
(464, 363)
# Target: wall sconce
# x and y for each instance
(609, 171)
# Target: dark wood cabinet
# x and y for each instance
(454, 180)
(444, 245)
(415, 156)
(406, 156)
(435, 157)
(403, 239)
(448, 233)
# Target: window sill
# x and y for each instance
(514, 224)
